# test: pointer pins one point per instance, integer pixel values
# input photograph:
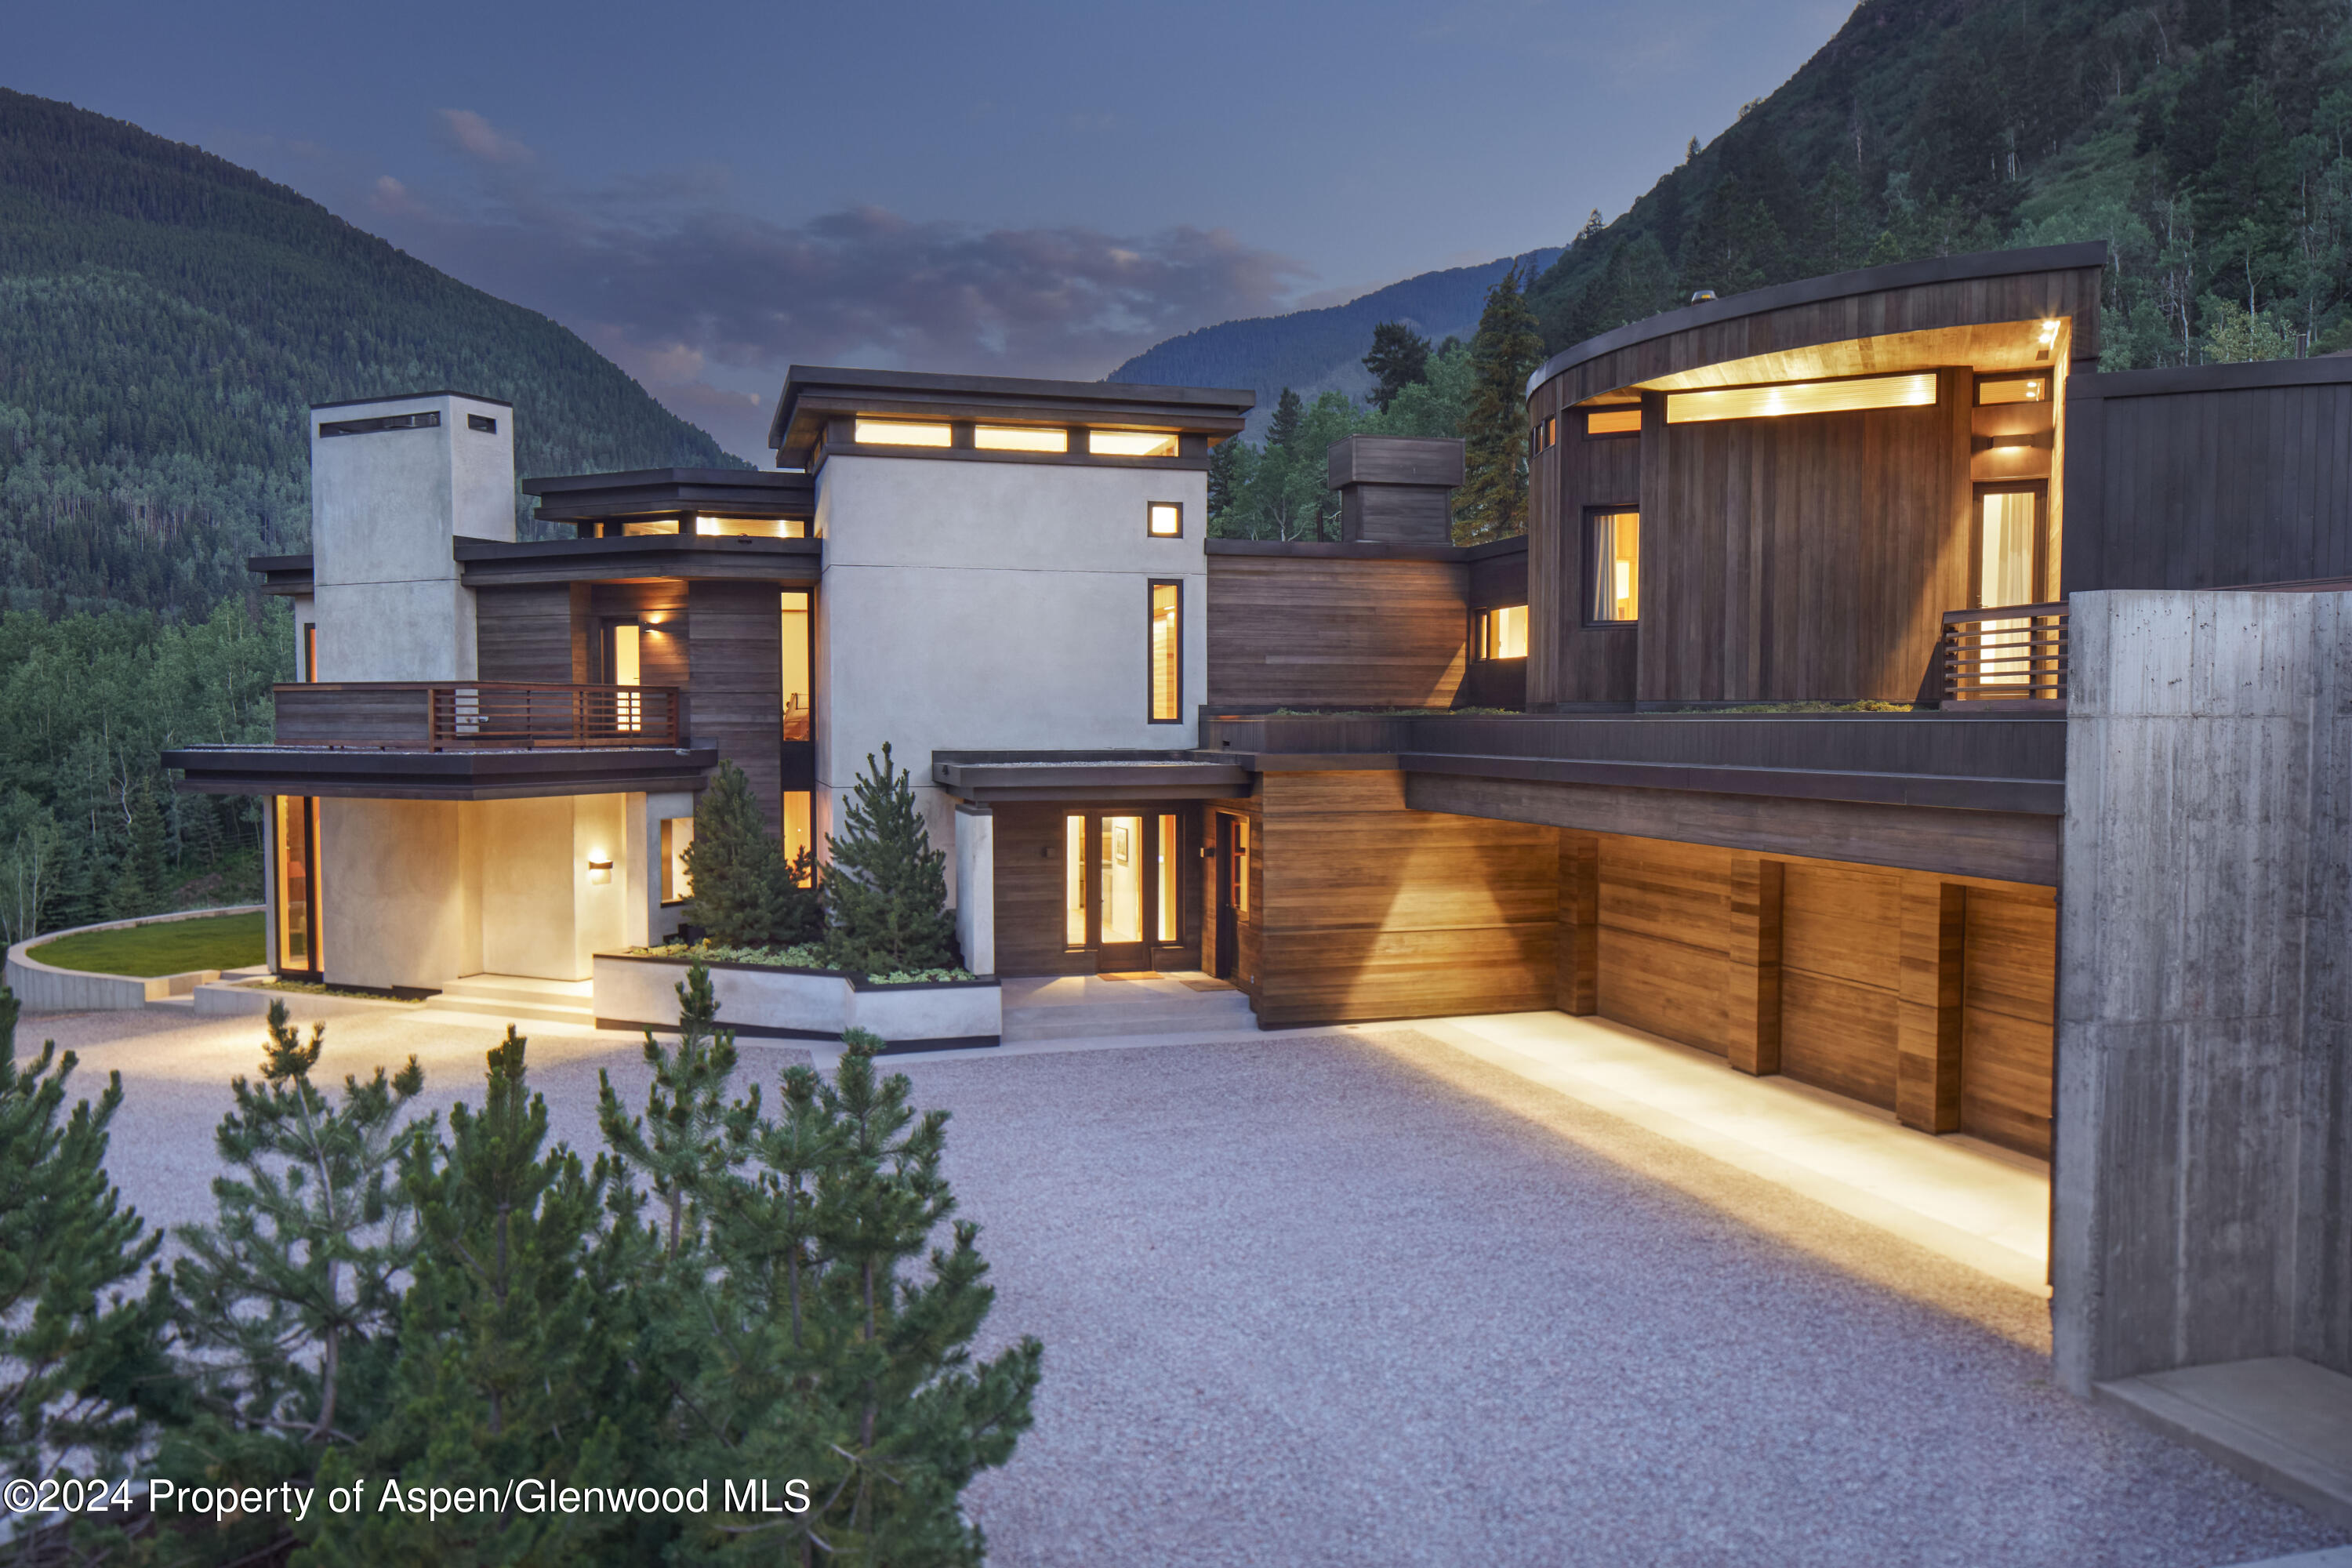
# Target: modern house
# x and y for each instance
(1880, 696)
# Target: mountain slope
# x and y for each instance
(166, 318)
(1320, 350)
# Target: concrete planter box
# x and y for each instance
(637, 992)
(44, 988)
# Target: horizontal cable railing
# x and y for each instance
(2009, 653)
(491, 715)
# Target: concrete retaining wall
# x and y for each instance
(2204, 1126)
(44, 988)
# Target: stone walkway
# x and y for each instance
(1368, 1298)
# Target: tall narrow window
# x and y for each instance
(1122, 882)
(627, 715)
(1168, 888)
(793, 676)
(676, 839)
(797, 837)
(1237, 891)
(1074, 882)
(1167, 653)
(1614, 580)
(297, 884)
(2009, 538)
(310, 650)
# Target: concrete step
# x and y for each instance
(541, 1012)
(1210, 1013)
(521, 989)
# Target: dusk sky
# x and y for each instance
(710, 192)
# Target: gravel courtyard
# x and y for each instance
(1360, 1298)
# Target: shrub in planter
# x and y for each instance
(745, 895)
(887, 895)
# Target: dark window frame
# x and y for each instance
(2039, 490)
(1180, 519)
(1635, 434)
(1590, 548)
(1151, 593)
(1482, 633)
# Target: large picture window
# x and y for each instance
(1613, 567)
(1167, 647)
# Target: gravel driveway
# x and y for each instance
(1367, 1299)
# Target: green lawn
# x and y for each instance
(214, 941)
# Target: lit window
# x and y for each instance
(796, 827)
(297, 884)
(1169, 869)
(1616, 557)
(1167, 653)
(900, 433)
(751, 527)
(1130, 444)
(1016, 439)
(1802, 397)
(1613, 422)
(1165, 519)
(676, 838)
(628, 714)
(1503, 633)
(1074, 882)
(2013, 389)
(654, 525)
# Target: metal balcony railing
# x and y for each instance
(2009, 653)
(490, 715)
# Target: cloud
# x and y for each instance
(707, 304)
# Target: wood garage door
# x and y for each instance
(2005, 1024)
(1840, 962)
(1662, 912)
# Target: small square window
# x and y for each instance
(1503, 632)
(1164, 520)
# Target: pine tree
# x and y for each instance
(1283, 427)
(690, 1135)
(513, 1346)
(833, 1361)
(744, 893)
(887, 892)
(1399, 359)
(1493, 501)
(73, 1344)
(147, 857)
(1228, 472)
(288, 1303)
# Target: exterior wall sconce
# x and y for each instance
(600, 872)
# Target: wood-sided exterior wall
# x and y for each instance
(1925, 996)
(2210, 477)
(1808, 557)
(1336, 626)
(1362, 908)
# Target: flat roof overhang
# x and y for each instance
(486, 564)
(813, 395)
(642, 493)
(996, 777)
(356, 772)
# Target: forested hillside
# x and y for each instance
(2205, 140)
(1321, 351)
(166, 317)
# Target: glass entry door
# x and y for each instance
(1120, 887)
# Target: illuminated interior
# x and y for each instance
(1612, 421)
(297, 883)
(627, 715)
(1167, 678)
(1617, 565)
(797, 816)
(1169, 887)
(1237, 894)
(1130, 444)
(751, 527)
(2013, 389)
(1122, 879)
(903, 433)
(651, 525)
(676, 838)
(1018, 439)
(2005, 576)
(794, 685)
(1503, 633)
(1912, 391)
(309, 650)
(1074, 882)
(1165, 519)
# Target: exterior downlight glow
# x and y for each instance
(1916, 391)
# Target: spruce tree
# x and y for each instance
(288, 1303)
(513, 1347)
(1289, 410)
(690, 1135)
(744, 893)
(75, 1345)
(1493, 501)
(1399, 359)
(887, 892)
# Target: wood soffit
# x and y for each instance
(1988, 347)
(368, 772)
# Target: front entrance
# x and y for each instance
(1122, 894)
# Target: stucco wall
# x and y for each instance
(2204, 1095)
(390, 874)
(986, 606)
(385, 506)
